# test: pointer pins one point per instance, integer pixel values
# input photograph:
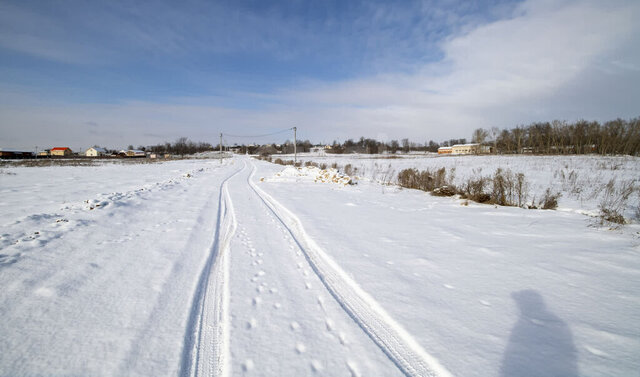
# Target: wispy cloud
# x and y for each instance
(536, 60)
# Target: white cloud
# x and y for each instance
(546, 60)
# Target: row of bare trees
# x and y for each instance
(182, 146)
(617, 136)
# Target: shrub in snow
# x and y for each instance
(474, 189)
(549, 200)
(614, 200)
(444, 191)
(425, 180)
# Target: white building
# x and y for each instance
(95, 152)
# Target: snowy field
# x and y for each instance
(581, 180)
(193, 267)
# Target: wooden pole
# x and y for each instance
(295, 146)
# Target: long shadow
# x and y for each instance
(541, 344)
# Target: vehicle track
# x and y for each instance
(206, 342)
(391, 337)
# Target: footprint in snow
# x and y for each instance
(256, 300)
(329, 324)
(353, 369)
(307, 285)
(300, 348)
(294, 326)
(316, 366)
(247, 365)
(251, 324)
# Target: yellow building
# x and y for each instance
(470, 149)
(61, 151)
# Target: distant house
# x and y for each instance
(135, 153)
(61, 151)
(445, 150)
(45, 153)
(95, 152)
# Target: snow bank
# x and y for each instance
(310, 173)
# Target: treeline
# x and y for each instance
(613, 137)
(372, 146)
(182, 146)
(617, 136)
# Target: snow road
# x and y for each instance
(295, 301)
(203, 269)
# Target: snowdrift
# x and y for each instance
(310, 173)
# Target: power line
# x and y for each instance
(248, 136)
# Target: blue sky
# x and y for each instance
(117, 73)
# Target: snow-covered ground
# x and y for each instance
(581, 180)
(243, 268)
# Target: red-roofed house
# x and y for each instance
(61, 151)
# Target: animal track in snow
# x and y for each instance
(248, 365)
(300, 348)
(329, 324)
(353, 369)
(316, 366)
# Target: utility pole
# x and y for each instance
(295, 146)
(220, 147)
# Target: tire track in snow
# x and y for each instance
(206, 341)
(405, 352)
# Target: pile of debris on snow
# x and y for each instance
(311, 173)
